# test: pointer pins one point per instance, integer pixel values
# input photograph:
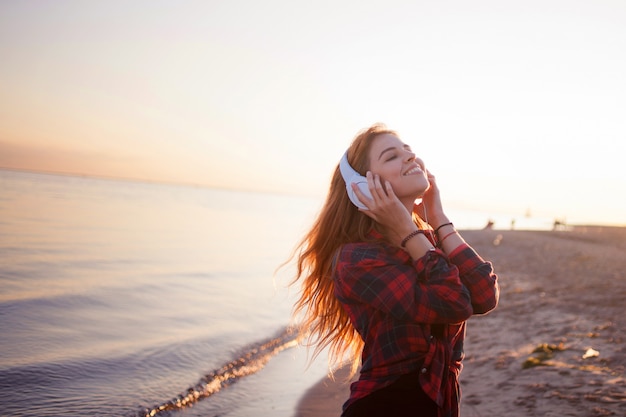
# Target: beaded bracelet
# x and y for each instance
(445, 224)
(410, 236)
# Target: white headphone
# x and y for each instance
(350, 176)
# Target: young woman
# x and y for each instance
(391, 283)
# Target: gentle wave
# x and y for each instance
(252, 360)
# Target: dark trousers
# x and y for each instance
(403, 398)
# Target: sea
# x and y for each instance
(123, 298)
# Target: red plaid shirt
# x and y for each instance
(411, 313)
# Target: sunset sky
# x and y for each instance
(512, 104)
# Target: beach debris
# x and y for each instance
(591, 353)
(497, 240)
(542, 353)
(559, 224)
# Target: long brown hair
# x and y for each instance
(325, 323)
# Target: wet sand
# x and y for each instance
(555, 346)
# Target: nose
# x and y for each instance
(410, 156)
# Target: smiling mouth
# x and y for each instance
(416, 170)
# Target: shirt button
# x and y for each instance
(424, 370)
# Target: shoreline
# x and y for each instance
(554, 345)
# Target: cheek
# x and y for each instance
(384, 172)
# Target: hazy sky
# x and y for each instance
(512, 104)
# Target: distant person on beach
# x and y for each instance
(391, 284)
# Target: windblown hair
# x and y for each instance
(324, 321)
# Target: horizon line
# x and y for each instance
(146, 181)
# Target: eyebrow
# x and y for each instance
(391, 148)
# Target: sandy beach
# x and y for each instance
(555, 346)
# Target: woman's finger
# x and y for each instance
(373, 182)
(366, 200)
(379, 187)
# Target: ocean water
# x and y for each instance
(124, 298)
(120, 297)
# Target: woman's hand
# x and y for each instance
(385, 208)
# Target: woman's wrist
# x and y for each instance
(444, 237)
(416, 244)
(443, 227)
(439, 221)
(410, 236)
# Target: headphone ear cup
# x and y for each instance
(350, 176)
(360, 182)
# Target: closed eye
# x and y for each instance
(394, 151)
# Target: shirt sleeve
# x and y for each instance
(478, 277)
(427, 290)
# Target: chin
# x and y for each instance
(424, 187)
(418, 193)
(414, 190)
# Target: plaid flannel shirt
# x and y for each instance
(411, 313)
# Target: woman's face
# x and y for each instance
(394, 161)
